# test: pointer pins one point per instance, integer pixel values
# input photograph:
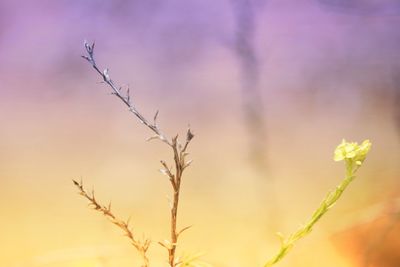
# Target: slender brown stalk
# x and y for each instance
(179, 153)
(141, 245)
(180, 165)
(175, 178)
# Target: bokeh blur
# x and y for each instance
(269, 87)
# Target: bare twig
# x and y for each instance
(126, 99)
(179, 151)
(141, 245)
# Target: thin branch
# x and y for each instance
(141, 245)
(126, 99)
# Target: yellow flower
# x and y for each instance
(352, 152)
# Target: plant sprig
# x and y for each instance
(141, 245)
(174, 174)
(353, 155)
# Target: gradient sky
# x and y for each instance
(328, 69)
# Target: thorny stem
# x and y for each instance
(141, 245)
(179, 153)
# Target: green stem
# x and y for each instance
(328, 202)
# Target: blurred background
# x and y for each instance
(269, 87)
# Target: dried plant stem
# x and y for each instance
(179, 152)
(180, 165)
(141, 245)
(126, 99)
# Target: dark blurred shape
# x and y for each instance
(244, 38)
(362, 7)
(245, 17)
